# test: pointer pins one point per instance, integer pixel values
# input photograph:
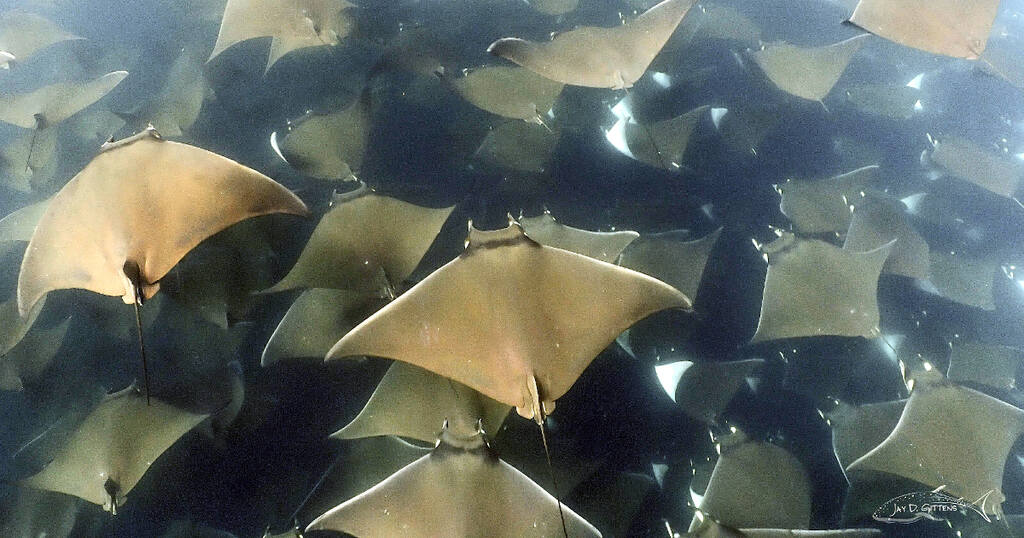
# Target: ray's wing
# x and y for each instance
(878, 220)
(704, 389)
(815, 289)
(604, 246)
(329, 146)
(598, 57)
(676, 262)
(142, 200)
(985, 364)
(30, 357)
(810, 72)
(56, 102)
(949, 435)
(510, 318)
(118, 441)
(412, 402)
(316, 320)
(454, 491)
(858, 429)
(22, 34)
(516, 145)
(822, 206)
(364, 242)
(957, 28)
(968, 161)
(511, 92)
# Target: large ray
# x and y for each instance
(115, 445)
(329, 146)
(604, 246)
(704, 389)
(949, 436)
(293, 24)
(510, 318)
(756, 484)
(968, 161)
(175, 108)
(661, 144)
(877, 221)
(410, 402)
(512, 92)
(316, 320)
(367, 242)
(857, 429)
(815, 289)
(50, 105)
(823, 205)
(984, 364)
(963, 278)
(957, 28)
(126, 219)
(30, 357)
(22, 34)
(671, 258)
(598, 57)
(809, 73)
(460, 489)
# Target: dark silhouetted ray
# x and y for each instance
(511, 318)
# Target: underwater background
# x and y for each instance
(630, 459)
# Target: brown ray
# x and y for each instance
(510, 318)
(756, 484)
(367, 242)
(598, 57)
(316, 320)
(604, 246)
(22, 34)
(815, 289)
(823, 205)
(50, 105)
(460, 489)
(115, 445)
(292, 24)
(410, 402)
(879, 219)
(329, 146)
(948, 436)
(134, 212)
(957, 28)
(660, 144)
(670, 258)
(511, 92)
(809, 73)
